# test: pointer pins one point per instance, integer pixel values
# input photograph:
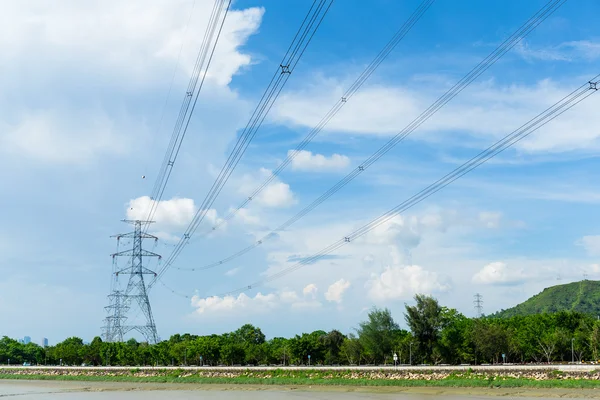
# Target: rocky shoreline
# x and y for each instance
(431, 374)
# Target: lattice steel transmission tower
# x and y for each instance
(120, 299)
(478, 302)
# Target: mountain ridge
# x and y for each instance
(582, 296)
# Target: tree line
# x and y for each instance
(436, 335)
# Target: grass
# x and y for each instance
(301, 381)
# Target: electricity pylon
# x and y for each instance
(120, 299)
(478, 302)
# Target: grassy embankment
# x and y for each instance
(469, 379)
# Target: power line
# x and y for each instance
(302, 39)
(164, 107)
(340, 103)
(563, 105)
(546, 116)
(479, 69)
(203, 60)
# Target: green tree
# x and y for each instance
(70, 351)
(377, 334)
(352, 350)
(332, 343)
(249, 335)
(491, 340)
(307, 344)
(425, 320)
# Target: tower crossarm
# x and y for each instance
(132, 252)
(131, 235)
(136, 271)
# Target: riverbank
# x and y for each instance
(410, 377)
(150, 391)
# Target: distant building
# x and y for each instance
(44, 342)
(26, 340)
(21, 341)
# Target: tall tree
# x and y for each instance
(425, 320)
(352, 349)
(332, 342)
(377, 334)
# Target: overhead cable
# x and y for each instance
(552, 112)
(302, 39)
(190, 99)
(479, 69)
(340, 103)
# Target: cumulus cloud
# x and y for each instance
(499, 273)
(173, 214)
(216, 304)
(336, 290)
(275, 194)
(131, 39)
(408, 230)
(260, 303)
(310, 290)
(307, 161)
(245, 216)
(116, 53)
(402, 282)
(591, 244)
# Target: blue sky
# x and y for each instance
(83, 89)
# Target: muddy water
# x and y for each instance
(50, 390)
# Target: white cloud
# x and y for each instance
(567, 51)
(275, 194)
(481, 113)
(307, 161)
(167, 237)
(90, 65)
(408, 230)
(253, 305)
(432, 237)
(245, 216)
(499, 273)
(490, 219)
(41, 135)
(232, 271)
(402, 282)
(310, 290)
(227, 304)
(173, 214)
(336, 290)
(133, 39)
(591, 244)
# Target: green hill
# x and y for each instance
(581, 296)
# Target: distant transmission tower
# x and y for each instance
(114, 328)
(478, 302)
(120, 299)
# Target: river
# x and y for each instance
(51, 390)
